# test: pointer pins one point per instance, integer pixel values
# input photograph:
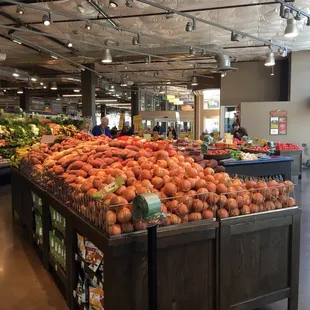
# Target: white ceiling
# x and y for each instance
(262, 21)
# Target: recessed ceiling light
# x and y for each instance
(46, 19)
(20, 10)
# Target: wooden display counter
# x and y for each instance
(237, 263)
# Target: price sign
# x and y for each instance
(137, 122)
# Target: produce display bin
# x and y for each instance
(278, 166)
(259, 259)
(297, 163)
(251, 260)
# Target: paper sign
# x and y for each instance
(278, 122)
(121, 121)
(137, 122)
(48, 139)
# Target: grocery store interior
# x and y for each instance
(154, 154)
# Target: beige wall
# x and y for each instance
(255, 115)
(251, 83)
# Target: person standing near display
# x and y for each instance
(103, 128)
(158, 128)
(172, 130)
(127, 130)
(239, 132)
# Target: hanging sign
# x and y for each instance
(278, 122)
(137, 122)
(121, 121)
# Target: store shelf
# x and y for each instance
(80, 305)
(59, 271)
(58, 233)
(37, 242)
(95, 276)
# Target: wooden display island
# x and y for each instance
(238, 263)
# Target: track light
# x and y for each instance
(69, 44)
(15, 74)
(161, 90)
(123, 82)
(272, 71)
(80, 8)
(76, 90)
(284, 11)
(192, 51)
(20, 10)
(107, 57)
(283, 51)
(33, 79)
(20, 91)
(47, 19)
(88, 26)
(112, 88)
(17, 42)
(191, 26)
(54, 57)
(54, 86)
(169, 15)
(194, 81)
(147, 60)
(58, 97)
(114, 3)
(136, 40)
(41, 83)
(235, 37)
(223, 61)
(44, 86)
(291, 30)
(270, 61)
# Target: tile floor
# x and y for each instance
(24, 284)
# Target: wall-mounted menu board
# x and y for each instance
(278, 122)
(36, 104)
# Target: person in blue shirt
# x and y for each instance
(103, 128)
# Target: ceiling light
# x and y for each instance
(284, 12)
(272, 71)
(2, 56)
(17, 42)
(169, 15)
(69, 44)
(283, 51)
(72, 95)
(168, 82)
(114, 3)
(46, 19)
(20, 91)
(194, 81)
(112, 88)
(15, 74)
(123, 83)
(44, 86)
(161, 91)
(308, 21)
(136, 40)
(88, 26)
(107, 57)
(270, 61)
(58, 97)
(41, 83)
(223, 74)
(54, 86)
(192, 51)
(80, 8)
(20, 10)
(4, 90)
(33, 79)
(54, 57)
(235, 37)
(147, 60)
(191, 26)
(223, 61)
(291, 30)
(76, 90)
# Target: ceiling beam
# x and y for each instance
(25, 45)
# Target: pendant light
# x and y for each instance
(194, 81)
(54, 86)
(20, 91)
(107, 57)
(58, 97)
(270, 61)
(291, 30)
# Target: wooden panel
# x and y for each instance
(259, 263)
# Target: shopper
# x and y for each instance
(114, 132)
(158, 128)
(127, 130)
(239, 132)
(103, 128)
(172, 130)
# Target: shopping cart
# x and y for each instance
(306, 165)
